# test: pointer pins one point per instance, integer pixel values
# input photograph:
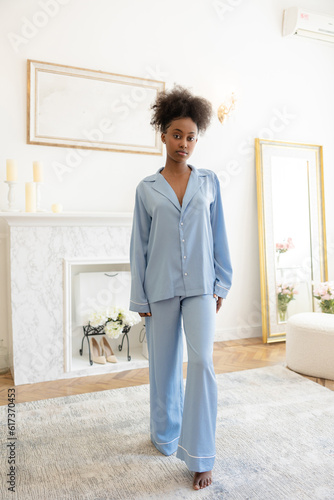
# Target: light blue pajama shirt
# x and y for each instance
(174, 250)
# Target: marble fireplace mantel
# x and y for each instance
(66, 218)
(39, 245)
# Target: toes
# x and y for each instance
(196, 482)
(204, 483)
(201, 481)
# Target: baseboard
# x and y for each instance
(236, 333)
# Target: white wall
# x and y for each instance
(284, 89)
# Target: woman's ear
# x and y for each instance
(163, 138)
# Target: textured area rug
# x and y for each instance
(275, 440)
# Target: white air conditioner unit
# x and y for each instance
(297, 21)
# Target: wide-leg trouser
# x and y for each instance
(178, 422)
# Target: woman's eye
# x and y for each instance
(191, 138)
(176, 136)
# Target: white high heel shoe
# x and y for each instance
(107, 351)
(96, 355)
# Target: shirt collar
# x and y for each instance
(160, 184)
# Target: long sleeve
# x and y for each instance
(138, 256)
(222, 260)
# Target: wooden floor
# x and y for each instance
(230, 356)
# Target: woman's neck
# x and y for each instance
(175, 169)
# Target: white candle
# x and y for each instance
(38, 171)
(11, 169)
(56, 208)
(30, 197)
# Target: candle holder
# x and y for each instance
(11, 196)
(38, 197)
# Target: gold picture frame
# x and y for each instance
(89, 109)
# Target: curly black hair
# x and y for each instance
(180, 103)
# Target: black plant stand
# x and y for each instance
(99, 330)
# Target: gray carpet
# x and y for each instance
(275, 440)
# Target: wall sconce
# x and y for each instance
(226, 108)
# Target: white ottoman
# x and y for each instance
(310, 344)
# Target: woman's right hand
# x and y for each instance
(145, 314)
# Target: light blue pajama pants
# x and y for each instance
(185, 424)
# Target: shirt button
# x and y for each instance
(184, 256)
(182, 241)
(186, 274)
(181, 223)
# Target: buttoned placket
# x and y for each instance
(183, 253)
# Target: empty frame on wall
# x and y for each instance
(89, 109)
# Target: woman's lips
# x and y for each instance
(183, 153)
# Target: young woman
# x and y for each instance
(181, 271)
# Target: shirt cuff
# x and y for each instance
(139, 307)
(221, 291)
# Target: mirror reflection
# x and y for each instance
(292, 236)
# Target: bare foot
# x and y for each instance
(202, 479)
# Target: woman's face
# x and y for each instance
(180, 139)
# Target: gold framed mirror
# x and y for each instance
(292, 231)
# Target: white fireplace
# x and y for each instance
(47, 253)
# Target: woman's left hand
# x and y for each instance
(219, 302)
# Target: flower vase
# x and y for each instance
(327, 306)
(282, 310)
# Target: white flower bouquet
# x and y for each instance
(114, 319)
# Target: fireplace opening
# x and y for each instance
(92, 287)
